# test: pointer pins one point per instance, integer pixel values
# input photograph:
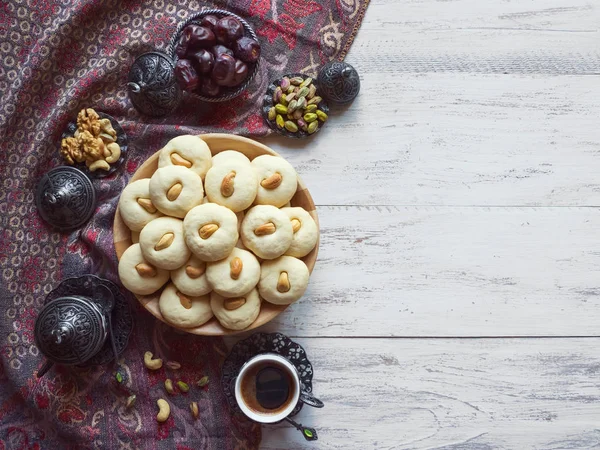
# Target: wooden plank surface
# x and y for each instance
(458, 139)
(528, 36)
(458, 197)
(451, 271)
(450, 394)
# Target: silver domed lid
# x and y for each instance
(338, 82)
(152, 86)
(65, 198)
(70, 330)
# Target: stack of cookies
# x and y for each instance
(219, 232)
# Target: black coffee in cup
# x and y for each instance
(268, 388)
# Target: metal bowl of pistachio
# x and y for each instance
(292, 106)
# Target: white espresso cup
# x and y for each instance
(246, 400)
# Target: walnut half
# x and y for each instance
(71, 151)
(89, 120)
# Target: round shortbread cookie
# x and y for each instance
(211, 231)
(163, 244)
(277, 180)
(234, 275)
(190, 278)
(186, 151)
(174, 190)
(138, 275)
(184, 311)
(232, 316)
(283, 280)
(135, 205)
(266, 231)
(232, 184)
(229, 155)
(305, 231)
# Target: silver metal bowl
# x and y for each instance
(227, 93)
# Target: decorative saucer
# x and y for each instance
(121, 140)
(265, 343)
(121, 316)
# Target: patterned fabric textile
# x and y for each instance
(57, 56)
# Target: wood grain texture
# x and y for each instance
(476, 133)
(545, 36)
(457, 139)
(451, 271)
(472, 394)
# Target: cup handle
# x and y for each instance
(310, 400)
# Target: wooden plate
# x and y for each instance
(217, 143)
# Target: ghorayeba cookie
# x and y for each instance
(229, 155)
(174, 190)
(186, 151)
(191, 278)
(211, 231)
(135, 205)
(163, 244)
(234, 275)
(305, 231)
(236, 313)
(184, 311)
(266, 231)
(138, 275)
(232, 184)
(283, 280)
(277, 180)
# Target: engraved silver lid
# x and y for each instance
(152, 86)
(70, 330)
(65, 198)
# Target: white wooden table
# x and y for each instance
(456, 300)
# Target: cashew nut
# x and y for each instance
(185, 301)
(169, 386)
(231, 304)
(296, 225)
(115, 152)
(174, 191)
(152, 364)
(106, 138)
(178, 160)
(236, 266)
(147, 204)
(227, 186)
(164, 410)
(272, 182)
(265, 228)
(145, 270)
(165, 241)
(283, 282)
(207, 230)
(194, 272)
(100, 164)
